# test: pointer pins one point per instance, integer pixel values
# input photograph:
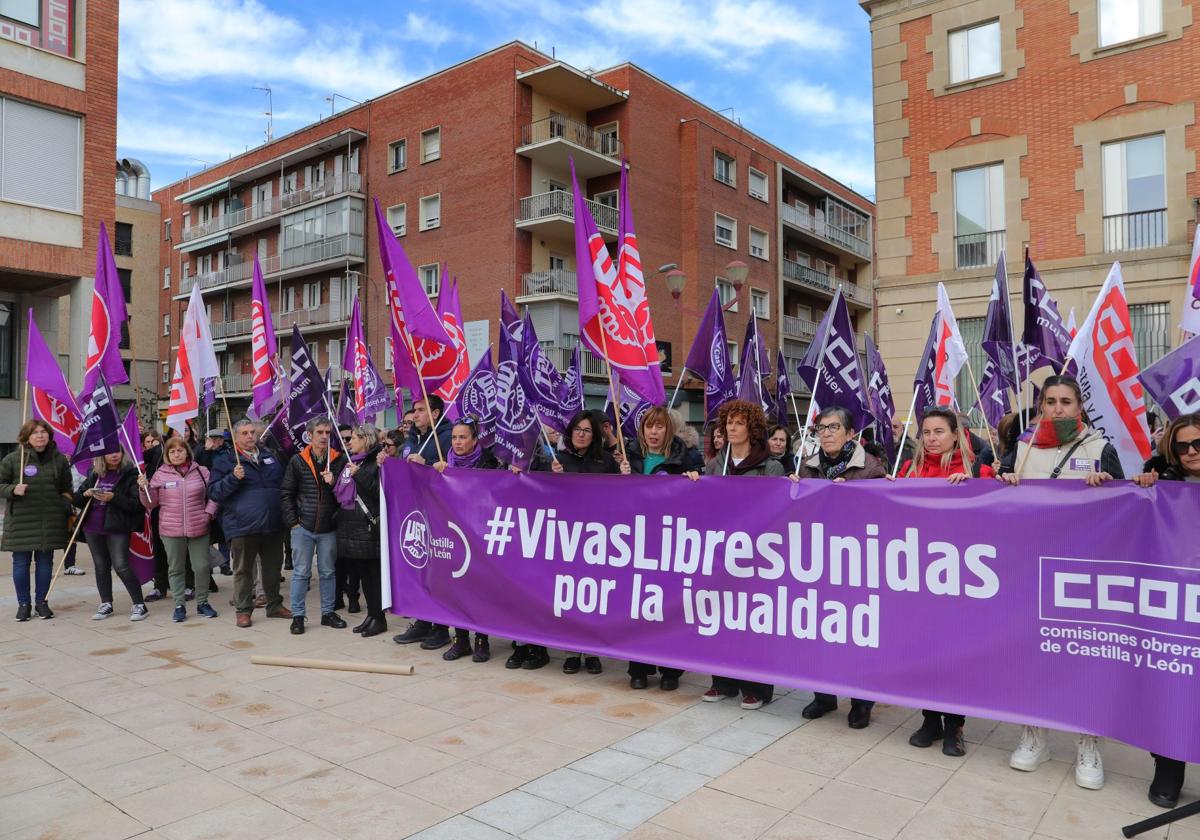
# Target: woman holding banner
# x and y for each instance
(1063, 446)
(659, 451)
(35, 481)
(358, 529)
(943, 451)
(467, 453)
(1178, 459)
(114, 512)
(839, 457)
(744, 427)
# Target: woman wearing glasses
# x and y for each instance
(357, 492)
(1178, 460)
(467, 453)
(839, 457)
(1063, 446)
(745, 453)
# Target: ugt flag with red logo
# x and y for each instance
(450, 311)
(265, 391)
(49, 396)
(614, 314)
(108, 314)
(355, 363)
(1106, 359)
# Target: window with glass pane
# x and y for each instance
(1127, 20)
(398, 155)
(431, 279)
(964, 390)
(726, 231)
(431, 145)
(431, 211)
(760, 302)
(123, 240)
(758, 243)
(724, 168)
(8, 357)
(1152, 333)
(397, 218)
(978, 215)
(727, 294)
(975, 52)
(1135, 194)
(758, 184)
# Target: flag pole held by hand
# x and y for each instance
(70, 542)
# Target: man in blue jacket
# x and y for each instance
(246, 484)
(427, 421)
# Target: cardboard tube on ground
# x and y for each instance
(333, 665)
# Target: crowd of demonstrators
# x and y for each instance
(112, 512)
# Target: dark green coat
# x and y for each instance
(37, 520)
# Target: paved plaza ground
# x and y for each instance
(112, 729)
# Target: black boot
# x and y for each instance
(519, 655)
(1168, 781)
(461, 646)
(359, 627)
(953, 744)
(438, 637)
(483, 651)
(352, 604)
(418, 631)
(538, 657)
(930, 731)
(375, 626)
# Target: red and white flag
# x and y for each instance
(194, 362)
(1191, 299)
(449, 309)
(1072, 327)
(951, 353)
(1106, 358)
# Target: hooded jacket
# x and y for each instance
(36, 521)
(181, 497)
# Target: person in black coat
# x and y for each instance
(466, 453)
(113, 513)
(357, 494)
(1178, 459)
(427, 421)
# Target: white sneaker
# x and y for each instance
(74, 570)
(1089, 768)
(139, 612)
(1032, 752)
(103, 611)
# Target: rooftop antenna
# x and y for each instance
(270, 112)
(732, 114)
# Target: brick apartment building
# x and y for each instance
(1065, 125)
(58, 108)
(471, 164)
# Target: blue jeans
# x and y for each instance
(304, 543)
(44, 567)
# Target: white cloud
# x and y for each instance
(854, 169)
(822, 103)
(425, 30)
(192, 40)
(725, 29)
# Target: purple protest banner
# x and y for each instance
(831, 587)
(1174, 380)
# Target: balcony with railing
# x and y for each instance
(978, 250)
(553, 214)
(334, 314)
(557, 282)
(237, 383)
(292, 262)
(561, 357)
(555, 140)
(799, 328)
(832, 223)
(262, 213)
(811, 278)
(1135, 231)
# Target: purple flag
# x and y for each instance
(630, 294)
(141, 543)
(49, 395)
(783, 392)
(477, 398)
(306, 394)
(450, 311)
(208, 395)
(879, 398)
(1174, 380)
(633, 409)
(614, 315)
(751, 372)
(376, 397)
(1044, 333)
(541, 380)
(265, 391)
(833, 353)
(109, 312)
(345, 405)
(517, 427)
(511, 324)
(708, 359)
(572, 383)
(100, 432)
(282, 432)
(997, 326)
(993, 394)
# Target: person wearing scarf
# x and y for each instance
(745, 453)
(839, 457)
(356, 522)
(1062, 445)
(467, 453)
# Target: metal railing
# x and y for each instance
(798, 386)
(977, 250)
(334, 185)
(237, 383)
(565, 128)
(556, 281)
(327, 313)
(820, 280)
(561, 357)
(331, 247)
(1134, 231)
(795, 327)
(562, 203)
(820, 225)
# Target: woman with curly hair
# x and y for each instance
(745, 453)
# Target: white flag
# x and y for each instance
(195, 361)
(950, 350)
(1106, 357)
(1191, 296)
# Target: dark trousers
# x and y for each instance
(267, 549)
(347, 577)
(162, 575)
(732, 687)
(641, 669)
(831, 699)
(366, 570)
(69, 557)
(110, 553)
(949, 721)
(43, 563)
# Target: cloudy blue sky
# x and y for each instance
(797, 73)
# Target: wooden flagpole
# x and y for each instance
(70, 542)
(612, 391)
(412, 352)
(1028, 449)
(979, 402)
(24, 415)
(904, 435)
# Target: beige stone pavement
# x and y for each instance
(113, 729)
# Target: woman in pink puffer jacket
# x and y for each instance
(179, 488)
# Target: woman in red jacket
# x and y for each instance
(179, 489)
(943, 451)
